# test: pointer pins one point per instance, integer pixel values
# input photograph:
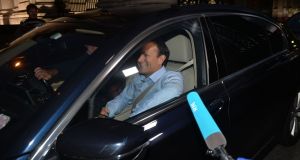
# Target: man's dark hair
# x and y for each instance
(163, 50)
(29, 6)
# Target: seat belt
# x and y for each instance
(127, 111)
(141, 96)
(186, 65)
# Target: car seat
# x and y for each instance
(181, 59)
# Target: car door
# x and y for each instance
(250, 53)
(173, 133)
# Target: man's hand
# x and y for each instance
(104, 112)
(45, 74)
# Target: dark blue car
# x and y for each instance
(244, 66)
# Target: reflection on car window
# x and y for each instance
(22, 93)
(245, 40)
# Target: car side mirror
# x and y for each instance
(102, 139)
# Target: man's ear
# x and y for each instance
(161, 59)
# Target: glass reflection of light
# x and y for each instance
(18, 64)
(31, 142)
(153, 138)
(130, 71)
(118, 144)
(150, 125)
(195, 27)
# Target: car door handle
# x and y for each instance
(216, 105)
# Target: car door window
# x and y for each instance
(180, 44)
(245, 40)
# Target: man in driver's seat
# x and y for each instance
(152, 86)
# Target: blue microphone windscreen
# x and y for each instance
(208, 127)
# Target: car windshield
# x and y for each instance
(22, 92)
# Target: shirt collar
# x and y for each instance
(156, 75)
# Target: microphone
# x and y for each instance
(210, 131)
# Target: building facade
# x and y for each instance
(279, 9)
(14, 11)
(282, 9)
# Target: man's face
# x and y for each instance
(32, 12)
(150, 60)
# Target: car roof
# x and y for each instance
(131, 13)
(118, 18)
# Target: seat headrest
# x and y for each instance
(180, 49)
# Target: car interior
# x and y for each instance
(181, 60)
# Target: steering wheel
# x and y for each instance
(36, 91)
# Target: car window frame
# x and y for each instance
(218, 55)
(177, 27)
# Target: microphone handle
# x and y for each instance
(221, 153)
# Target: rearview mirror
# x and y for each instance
(102, 139)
